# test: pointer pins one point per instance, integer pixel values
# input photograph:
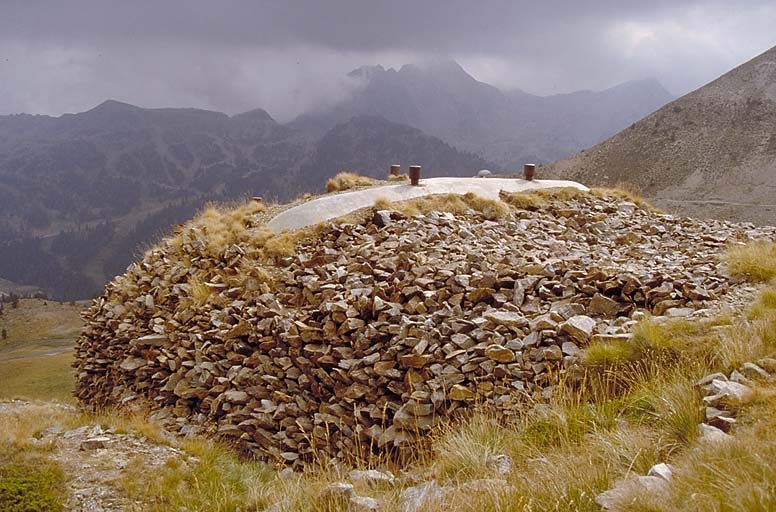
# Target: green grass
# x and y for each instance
(38, 378)
(29, 482)
(35, 328)
(218, 481)
(37, 319)
(607, 354)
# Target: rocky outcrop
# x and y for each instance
(369, 336)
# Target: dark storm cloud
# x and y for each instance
(439, 26)
(288, 56)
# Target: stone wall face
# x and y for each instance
(373, 333)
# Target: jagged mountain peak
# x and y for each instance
(367, 72)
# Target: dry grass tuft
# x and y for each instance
(199, 292)
(755, 261)
(608, 354)
(559, 193)
(382, 203)
(347, 181)
(282, 245)
(523, 200)
(216, 481)
(451, 203)
(220, 228)
(625, 192)
(534, 200)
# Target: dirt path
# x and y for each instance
(716, 202)
(40, 348)
(94, 459)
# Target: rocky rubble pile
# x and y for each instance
(374, 332)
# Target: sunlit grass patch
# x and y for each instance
(37, 319)
(608, 354)
(214, 480)
(559, 193)
(48, 377)
(347, 181)
(523, 200)
(463, 448)
(456, 204)
(756, 261)
(625, 192)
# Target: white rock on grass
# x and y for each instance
(728, 393)
(712, 435)
(336, 495)
(95, 443)
(421, 497)
(739, 377)
(627, 488)
(753, 371)
(371, 477)
(363, 504)
(662, 470)
(708, 379)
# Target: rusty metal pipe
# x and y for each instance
(414, 175)
(528, 171)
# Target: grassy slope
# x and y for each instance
(37, 319)
(35, 358)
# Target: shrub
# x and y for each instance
(30, 484)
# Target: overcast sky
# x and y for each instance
(287, 56)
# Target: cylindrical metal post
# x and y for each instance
(528, 171)
(395, 170)
(414, 175)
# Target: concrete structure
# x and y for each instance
(333, 206)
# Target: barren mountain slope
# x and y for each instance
(709, 153)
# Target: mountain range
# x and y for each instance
(710, 153)
(82, 194)
(509, 128)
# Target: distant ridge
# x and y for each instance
(82, 194)
(710, 153)
(506, 127)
